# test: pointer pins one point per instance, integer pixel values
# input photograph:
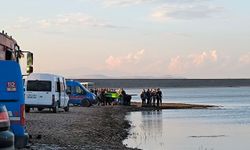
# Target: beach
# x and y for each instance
(97, 127)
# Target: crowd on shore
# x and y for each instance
(151, 97)
(108, 96)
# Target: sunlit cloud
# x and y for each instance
(199, 59)
(176, 65)
(132, 58)
(181, 64)
(245, 59)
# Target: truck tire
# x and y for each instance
(85, 103)
(6, 139)
(66, 109)
(55, 108)
(39, 109)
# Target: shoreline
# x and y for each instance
(97, 127)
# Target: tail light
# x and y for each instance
(23, 120)
(4, 119)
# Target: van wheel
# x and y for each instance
(39, 109)
(55, 108)
(85, 103)
(66, 108)
(27, 109)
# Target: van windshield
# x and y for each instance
(39, 85)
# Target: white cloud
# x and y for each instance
(181, 64)
(201, 58)
(131, 58)
(176, 65)
(245, 59)
(185, 11)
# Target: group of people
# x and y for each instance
(107, 96)
(151, 97)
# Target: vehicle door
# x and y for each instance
(38, 92)
(79, 92)
(63, 92)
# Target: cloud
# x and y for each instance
(185, 11)
(131, 58)
(176, 65)
(124, 2)
(22, 23)
(74, 19)
(245, 59)
(181, 64)
(199, 59)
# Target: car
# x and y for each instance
(79, 95)
(6, 136)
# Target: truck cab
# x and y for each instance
(79, 95)
(11, 87)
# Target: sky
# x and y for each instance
(133, 38)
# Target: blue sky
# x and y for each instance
(126, 38)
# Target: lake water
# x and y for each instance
(223, 128)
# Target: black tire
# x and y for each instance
(66, 109)
(55, 108)
(39, 109)
(27, 109)
(85, 103)
(6, 140)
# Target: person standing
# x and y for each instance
(159, 97)
(143, 97)
(148, 95)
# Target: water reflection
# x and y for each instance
(163, 130)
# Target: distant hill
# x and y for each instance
(153, 83)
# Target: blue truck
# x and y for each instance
(11, 86)
(79, 95)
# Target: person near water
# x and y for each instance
(143, 97)
(159, 97)
(148, 95)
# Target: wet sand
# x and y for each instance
(97, 127)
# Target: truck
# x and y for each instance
(11, 86)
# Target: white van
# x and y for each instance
(46, 91)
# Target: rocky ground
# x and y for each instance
(96, 127)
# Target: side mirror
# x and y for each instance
(29, 62)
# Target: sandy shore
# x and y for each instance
(97, 127)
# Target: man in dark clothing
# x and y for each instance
(143, 97)
(159, 97)
(148, 95)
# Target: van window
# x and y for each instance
(79, 90)
(38, 85)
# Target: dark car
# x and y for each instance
(6, 136)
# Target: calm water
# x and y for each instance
(224, 128)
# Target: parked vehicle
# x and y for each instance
(46, 91)
(6, 136)
(79, 95)
(11, 86)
